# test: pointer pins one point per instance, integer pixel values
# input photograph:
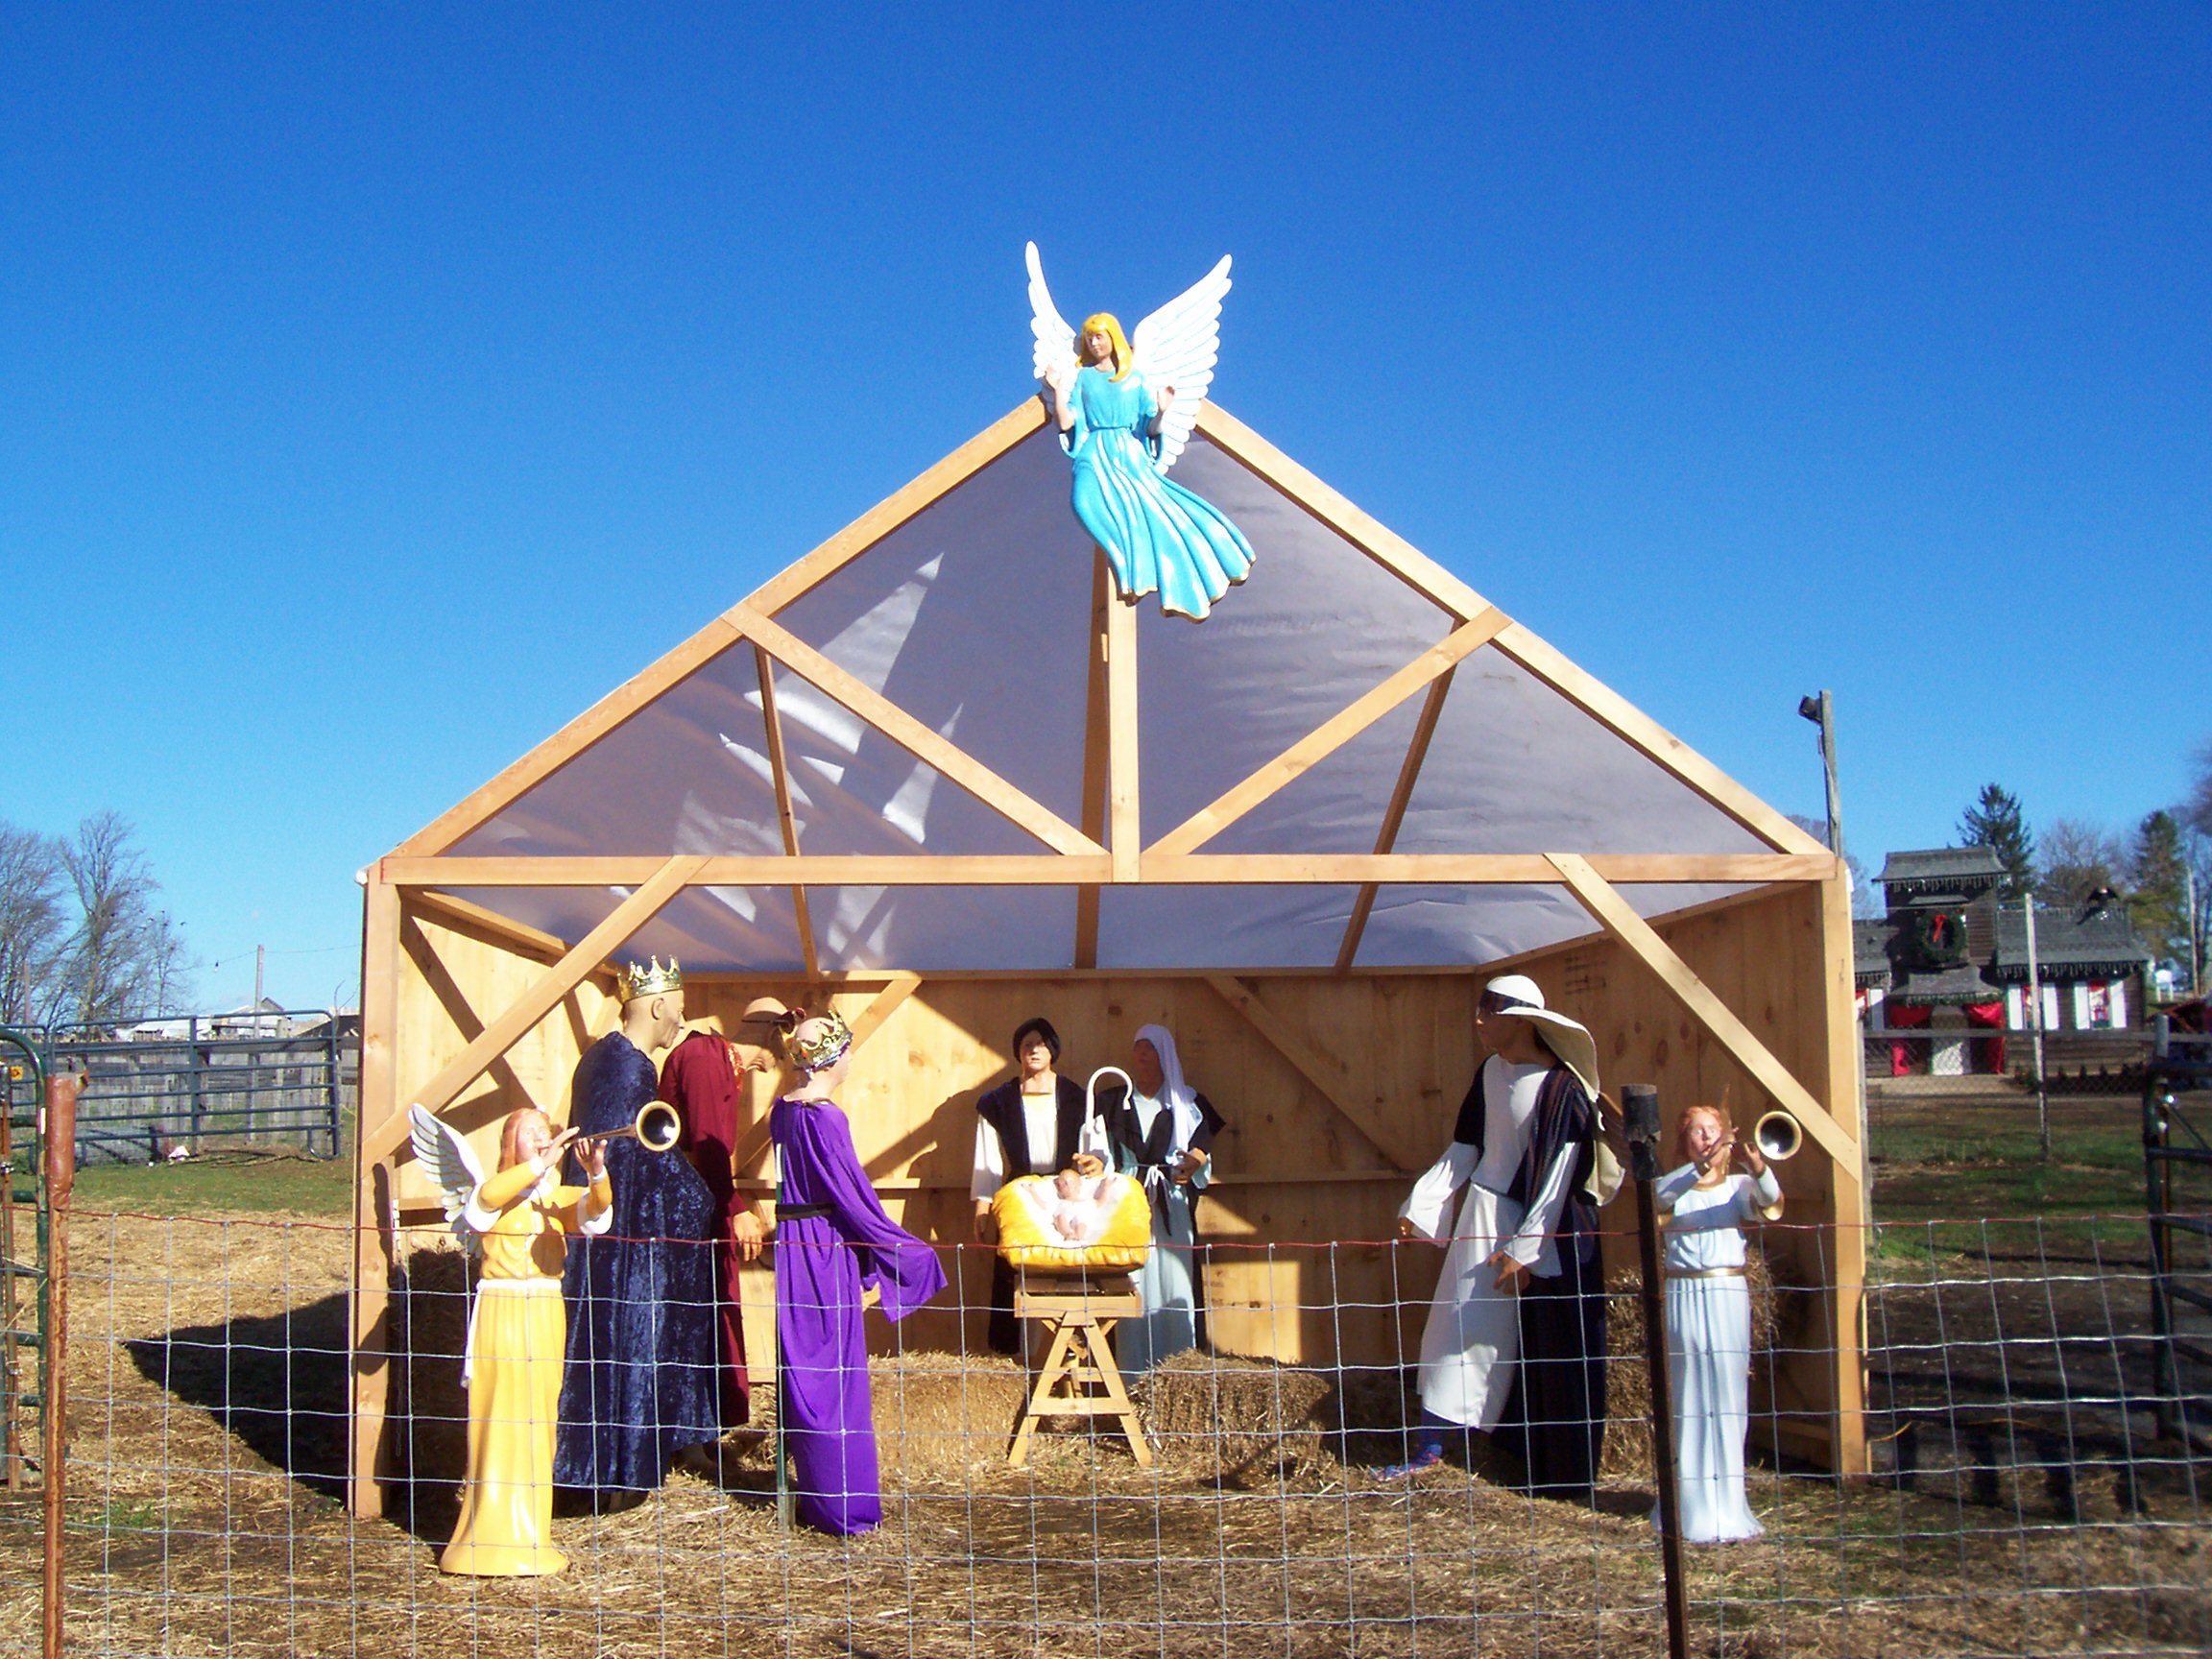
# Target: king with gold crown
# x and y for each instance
(639, 1383)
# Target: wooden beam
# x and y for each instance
(1095, 739)
(1331, 1077)
(930, 748)
(454, 1000)
(1386, 547)
(535, 1004)
(1394, 814)
(779, 768)
(1637, 729)
(449, 910)
(1123, 748)
(998, 439)
(571, 741)
(1846, 1058)
(1518, 869)
(369, 1301)
(1330, 735)
(1055, 870)
(1619, 917)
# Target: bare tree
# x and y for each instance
(2077, 857)
(2197, 811)
(33, 931)
(126, 959)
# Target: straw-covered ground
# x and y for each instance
(208, 1397)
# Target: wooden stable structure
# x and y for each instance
(935, 774)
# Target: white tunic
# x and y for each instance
(1041, 1118)
(1709, 1347)
(1473, 1338)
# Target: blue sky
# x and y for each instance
(379, 386)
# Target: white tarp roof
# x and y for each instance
(973, 616)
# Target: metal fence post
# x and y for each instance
(1640, 1112)
(334, 1057)
(198, 1080)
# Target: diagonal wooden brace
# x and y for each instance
(1619, 917)
(379, 1140)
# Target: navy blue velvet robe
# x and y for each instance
(640, 1376)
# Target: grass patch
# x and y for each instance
(228, 1183)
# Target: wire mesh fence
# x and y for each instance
(2031, 1493)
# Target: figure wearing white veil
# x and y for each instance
(1162, 1134)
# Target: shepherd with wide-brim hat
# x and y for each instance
(1516, 1334)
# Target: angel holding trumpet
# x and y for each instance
(1124, 413)
(520, 1218)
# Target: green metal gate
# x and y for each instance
(26, 1256)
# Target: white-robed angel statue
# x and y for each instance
(1124, 415)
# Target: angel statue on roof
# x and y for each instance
(1125, 413)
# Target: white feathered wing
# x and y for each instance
(1054, 334)
(450, 1162)
(1178, 346)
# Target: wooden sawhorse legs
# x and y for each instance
(1079, 1359)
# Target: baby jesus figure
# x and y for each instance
(1080, 1206)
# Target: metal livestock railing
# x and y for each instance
(197, 1083)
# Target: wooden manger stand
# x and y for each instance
(1082, 1310)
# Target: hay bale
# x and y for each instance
(938, 1416)
(1628, 1380)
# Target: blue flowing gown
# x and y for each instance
(1158, 535)
(640, 1377)
(823, 1263)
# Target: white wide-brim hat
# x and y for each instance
(1569, 1039)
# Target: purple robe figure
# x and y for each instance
(832, 1242)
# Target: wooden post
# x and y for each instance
(61, 1153)
(376, 1100)
(1121, 766)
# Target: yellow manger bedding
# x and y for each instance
(1115, 1226)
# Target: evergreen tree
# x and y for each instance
(2157, 882)
(1995, 820)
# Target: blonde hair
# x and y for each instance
(510, 1126)
(1107, 323)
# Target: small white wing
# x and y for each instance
(1178, 346)
(1055, 336)
(450, 1162)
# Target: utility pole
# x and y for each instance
(2035, 1026)
(260, 961)
(1820, 709)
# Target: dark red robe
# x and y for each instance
(700, 1080)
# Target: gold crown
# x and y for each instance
(824, 1048)
(635, 981)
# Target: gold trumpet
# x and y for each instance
(657, 1129)
(1777, 1136)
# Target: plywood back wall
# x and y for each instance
(1337, 1091)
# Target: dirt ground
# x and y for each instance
(2026, 1503)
